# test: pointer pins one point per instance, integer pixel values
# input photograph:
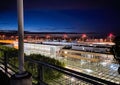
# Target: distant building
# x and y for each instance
(47, 50)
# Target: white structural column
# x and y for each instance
(21, 35)
(22, 77)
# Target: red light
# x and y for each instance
(111, 35)
(84, 35)
(65, 36)
(47, 36)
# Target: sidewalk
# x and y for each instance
(4, 79)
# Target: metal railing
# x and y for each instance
(44, 73)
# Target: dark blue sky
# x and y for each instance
(63, 15)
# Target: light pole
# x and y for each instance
(22, 77)
(21, 35)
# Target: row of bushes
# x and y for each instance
(48, 74)
(8, 51)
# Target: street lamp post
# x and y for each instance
(22, 77)
(21, 35)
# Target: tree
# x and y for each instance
(116, 50)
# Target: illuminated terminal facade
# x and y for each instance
(47, 50)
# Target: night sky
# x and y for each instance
(101, 16)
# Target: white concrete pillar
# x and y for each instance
(22, 77)
(21, 35)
